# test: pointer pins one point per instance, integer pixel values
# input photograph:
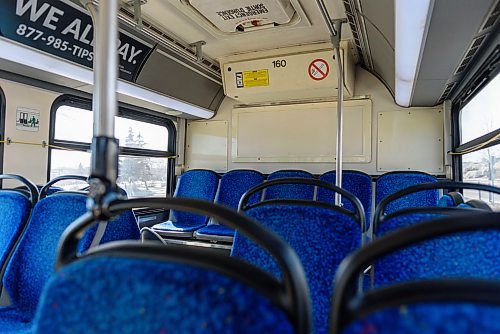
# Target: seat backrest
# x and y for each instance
(392, 182)
(357, 183)
(33, 260)
(471, 254)
(234, 184)
(434, 301)
(289, 191)
(322, 237)
(451, 199)
(199, 184)
(148, 288)
(123, 227)
(15, 209)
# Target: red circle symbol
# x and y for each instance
(318, 69)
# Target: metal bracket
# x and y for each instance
(335, 39)
(137, 10)
(198, 50)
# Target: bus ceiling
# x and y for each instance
(162, 42)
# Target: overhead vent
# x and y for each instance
(492, 18)
(446, 93)
(356, 24)
(244, 15)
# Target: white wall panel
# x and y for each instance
(207, 145)
(301, 132)
(27, 160)
(411, 140)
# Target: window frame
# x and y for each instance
(3, 106)
(125, 111)
(478, 81)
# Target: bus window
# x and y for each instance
(480, 118)
(145, 142)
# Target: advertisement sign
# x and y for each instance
(65, 30)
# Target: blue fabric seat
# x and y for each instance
(33, 260)
(131, 287)
(232, 186)
(15, 209)
(451, 199)
(450, 256)
(154, 293)
(430, 300)
(199, 184)
(322, 237)
(357, 183)
(392, 182)
(289, 191)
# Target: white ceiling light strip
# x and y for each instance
(411, 23)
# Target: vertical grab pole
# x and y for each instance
(104, 165)
(340, 112)
(335, 29)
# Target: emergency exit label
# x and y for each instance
(318, 69)
(27, 119)
(252, 78)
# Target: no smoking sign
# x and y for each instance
(318, 69)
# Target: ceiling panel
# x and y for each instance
(167, 16)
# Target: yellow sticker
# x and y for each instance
(255, 78)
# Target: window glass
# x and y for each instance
(483, 167)
(143, 176)
(481, 115)
(136, 134)
(143, 168)
(74, 124)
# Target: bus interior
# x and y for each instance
(235, 166)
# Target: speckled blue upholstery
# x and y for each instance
(471, 254)
(232, 186)
(201, 184)
(123, 227)
(216, 229)
(122, 295)
(321, 237)
(33, 260)
(357, 183)
(390, 183)
(289, 191)
(446, 201)
(430, 319)
(14, 212)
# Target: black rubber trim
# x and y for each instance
(46, 187)
(379, 210)
(358, 214)
(33, 193)
(348, 272)
(293, 293)
(456, 197)
(478, 204)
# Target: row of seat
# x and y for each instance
(132, 288)
(205, 184)
(30, 230)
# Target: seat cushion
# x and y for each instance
(175, 229)
(215, 232)
(14, 321)
(214, 229)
